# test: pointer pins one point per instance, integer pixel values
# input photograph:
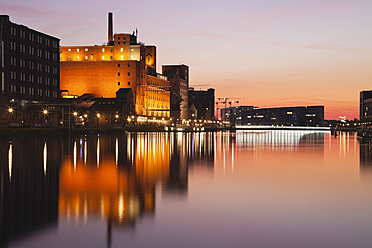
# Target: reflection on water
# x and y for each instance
(121, 180)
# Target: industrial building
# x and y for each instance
(29, 71)
(286, 116)
(122, 62)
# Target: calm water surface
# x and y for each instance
(243, 189)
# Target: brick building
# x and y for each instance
(122, 62)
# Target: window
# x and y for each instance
(77, 50)
(119, 38)
(103, 57)
(128, 83)
(128, 65)
(86, 50)
(124, 42)
(103, 50)
(118, 83)
(110, 57)
(86, 57)
(128, 73)
(77, 57)
(118, 65)
(121, 57)
(121, 50)
(111, 50)
(69, 50)
(124, 38)
(118, 42)
(118, 73)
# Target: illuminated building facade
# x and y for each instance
(121, 63)
(29, 68)
(287, 116)
(365, 111)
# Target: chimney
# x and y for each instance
(110, 29)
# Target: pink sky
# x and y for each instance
(270, 53)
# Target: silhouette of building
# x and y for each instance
(122, 62)
(287, 116)
(178, 76)
(201, 104)
(365, 103)
(29, 68)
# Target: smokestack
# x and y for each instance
(110, 29)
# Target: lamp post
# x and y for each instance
(45, 113)
(98, 116)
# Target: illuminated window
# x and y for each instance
(131, 56)
(121, 50)
(103, 50)
(77, 50)
(86, 57)
(69, 50)
(131, 49)
(86, 49)
(69, 58)
(121, 57)
(103, 57)
(77, 57)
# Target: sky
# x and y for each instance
(265, 53)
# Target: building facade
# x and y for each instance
(365, 102)
(178, 75)
(122, 62)
(29, 67)
(286, 116)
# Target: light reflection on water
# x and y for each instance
(227, 189)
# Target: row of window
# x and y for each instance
(127, 84)
(31, 79)
(31, 37)
(31, 51)
(86, 50)
(31, 91)
(31, 65)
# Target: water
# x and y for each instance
(243, 189)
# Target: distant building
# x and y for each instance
(365, 103)
(178, 75)
(121, 63)
(287, 116)
(201, 104)
(29, 68)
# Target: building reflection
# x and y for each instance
(116, 177)
(29, 186)
(365, 157)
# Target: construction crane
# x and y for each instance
(227, 102)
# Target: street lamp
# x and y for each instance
(117, 116)
(10, 110)
(98, 115)
(75, 113)
(45, 112)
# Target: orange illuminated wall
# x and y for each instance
(102, 78)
